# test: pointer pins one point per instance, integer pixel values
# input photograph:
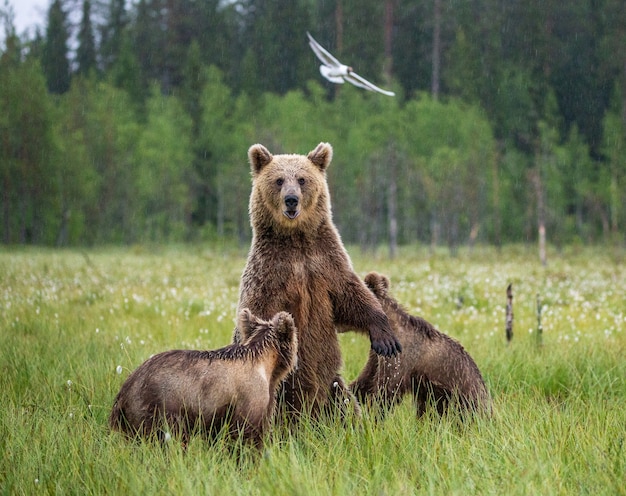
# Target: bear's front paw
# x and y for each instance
(388, 346)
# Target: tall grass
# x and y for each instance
(74, 324)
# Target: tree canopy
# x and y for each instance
(128, 122)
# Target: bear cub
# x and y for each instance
(435, 368)
(187, 390)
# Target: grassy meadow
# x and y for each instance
(74, 324)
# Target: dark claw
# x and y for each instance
(387, 348)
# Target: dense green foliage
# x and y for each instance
(132, 122)
(74, 324)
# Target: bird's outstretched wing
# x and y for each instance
(336, 72)
(361, 82)
(324, 55)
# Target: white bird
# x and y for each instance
(336, 72)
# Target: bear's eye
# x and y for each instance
(301, 181)
(280, 181)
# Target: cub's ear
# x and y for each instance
(377, 283)
(283, 322)
(245, 323)
(384, 282)
(321, 156)
(259, 157)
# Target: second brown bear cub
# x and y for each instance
(435, 368)
(186, 390)
(298, 263)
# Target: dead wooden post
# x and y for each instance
(509, 313)
(539, 326)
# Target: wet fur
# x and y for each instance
(298, 263)
(435, 368)
(186, 390)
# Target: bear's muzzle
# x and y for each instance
(291, 203)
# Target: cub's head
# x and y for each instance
(280, 333)
(403, 323)
(250, 326)
(279, 336)
(378, 284)
(289, 191)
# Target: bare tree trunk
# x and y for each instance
(336, 88)
(539, 324)
(453, 234)
(23, 219)
(542, 243)
(509, 313)
(392, 202)
(436, 50)
(604, 219)
(63, 235)
(541, 216)
(388, 64)
(339, 26)
(6, 207)
(624, 92)
(220, 211)
(615, 202)
(378, 222)
(473, 236)
(497, 219)
(435, 230)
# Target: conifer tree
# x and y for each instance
(112, 33)
(55, 63)
(86, 52)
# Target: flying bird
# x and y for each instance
(336, 72)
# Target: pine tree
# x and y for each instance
(126, 74)
(7, 17)
(86, 52)
(148, 40)
(55, 62)
(112, 33)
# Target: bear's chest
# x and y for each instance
(297, 279)
(300, 263)
(305, 275)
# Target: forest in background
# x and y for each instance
(129, 122)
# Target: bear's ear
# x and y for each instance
(377, 283)
(259, 157)
(321, 156)
(245, 323)
(283, 322)
(384, 283)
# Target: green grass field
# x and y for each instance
(74, 324)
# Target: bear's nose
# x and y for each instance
(291, 201)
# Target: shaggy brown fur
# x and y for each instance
(298, 263)
(183, 390)
(433, 366)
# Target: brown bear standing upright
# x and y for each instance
(297, 263)
(432, 366)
